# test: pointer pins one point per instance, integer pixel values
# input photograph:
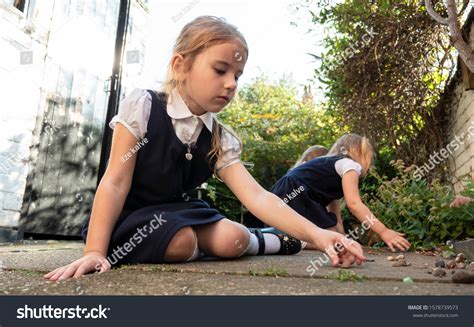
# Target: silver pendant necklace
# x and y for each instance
(188, 154)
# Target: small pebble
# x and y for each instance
(438, 272)
(461, 265)
(390, 258)
(400, 257)
(460, 257)
(451, 264)
(408, 280)
(440, 264)
(463, 277)
(401, 263)
(426, 265)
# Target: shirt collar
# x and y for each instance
(177, 109)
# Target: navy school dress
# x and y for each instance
(157, 205)
(310, 187)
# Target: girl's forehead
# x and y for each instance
(231, 51)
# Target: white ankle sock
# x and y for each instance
(252, 248)
(272, 244)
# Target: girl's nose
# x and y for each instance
(230, 83)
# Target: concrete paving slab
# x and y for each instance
(23, 266)
(136, 282)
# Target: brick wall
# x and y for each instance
(462, 129)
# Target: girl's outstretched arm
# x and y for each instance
(350, 186)
(267, 207)
(108, 203)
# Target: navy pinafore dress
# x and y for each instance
(157, 205)
(310, 187)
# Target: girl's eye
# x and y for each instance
(220, 72)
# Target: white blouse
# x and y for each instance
(344, 165)
(134, 113)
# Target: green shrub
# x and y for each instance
(275, 128)
(420, 209)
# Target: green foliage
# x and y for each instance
(272, 271)
(419, 208)
(346, 276)
(383, 68)
(275, 128)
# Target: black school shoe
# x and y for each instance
(288, 245)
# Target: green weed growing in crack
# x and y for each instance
(272, 271)
(346, 276)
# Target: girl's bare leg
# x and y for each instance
(224, 238)
(182, 246)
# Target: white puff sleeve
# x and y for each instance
(231, 150)
(344, 165)
(134, 113)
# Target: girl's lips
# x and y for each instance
(226, 99)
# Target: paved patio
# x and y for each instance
(24, 264)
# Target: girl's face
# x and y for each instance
(211, 82)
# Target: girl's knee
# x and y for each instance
(182, 246)
(235, 242)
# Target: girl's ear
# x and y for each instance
(178, 67)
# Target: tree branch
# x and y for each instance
(466, 53)
(437, 17)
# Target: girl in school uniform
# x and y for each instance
(141, 211)
(323, 181)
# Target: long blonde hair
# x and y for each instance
(357, 147)
(195, 37)
(311, 153)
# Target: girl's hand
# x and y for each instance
(338, 246)
(459, 200)
(394, 239)
(347, 259)
(89, 262)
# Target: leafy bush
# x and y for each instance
(420, 209)
(383, 69)
(275, 128)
